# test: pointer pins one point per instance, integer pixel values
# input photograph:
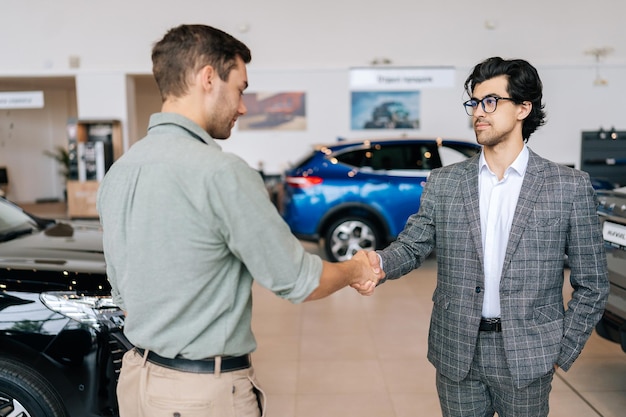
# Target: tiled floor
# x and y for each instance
(348, 355)
(366, 356)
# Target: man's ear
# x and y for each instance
(525, 109)
(206, 77)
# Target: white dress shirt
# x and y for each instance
(498, 199)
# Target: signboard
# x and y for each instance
(614, 233)
(21, 100)
(401, 79)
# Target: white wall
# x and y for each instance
(32, 174)
(306, 46)
(573, 105)
(104, 96)
(41, 35)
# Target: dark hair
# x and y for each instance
(187, 48)
(523, 85)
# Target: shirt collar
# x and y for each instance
(519, 165)
(164, 119)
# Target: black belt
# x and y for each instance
(202, 366)
(490, 325)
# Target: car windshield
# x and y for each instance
(451, 153)
(468, 150)
(14, 222)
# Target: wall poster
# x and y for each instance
(274, 111)
(390, 98)
(385, 110)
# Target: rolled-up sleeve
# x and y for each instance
(256, 233)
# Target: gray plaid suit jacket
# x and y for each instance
(555, 215)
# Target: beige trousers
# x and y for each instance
(148, 390)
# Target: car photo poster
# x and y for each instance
(385, 110)
(390, 98)
(274, 111)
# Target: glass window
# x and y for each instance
(394, 157)
(451, 154)
(358, 159)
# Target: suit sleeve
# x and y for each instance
(588, 273)
(417, 240)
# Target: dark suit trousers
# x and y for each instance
(489, 387)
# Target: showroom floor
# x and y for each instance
(348, 355)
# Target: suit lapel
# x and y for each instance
(531, 187)
(471, 198)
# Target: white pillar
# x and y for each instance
(104, 96)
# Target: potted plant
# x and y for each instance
(62, 156)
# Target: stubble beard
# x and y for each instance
(487, 140)
(220, 125)
(220, 134)
(488, 137)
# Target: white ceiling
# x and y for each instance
(117, 35)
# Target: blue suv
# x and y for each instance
(359, 195)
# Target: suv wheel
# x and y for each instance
(24, 393)
(347, 236)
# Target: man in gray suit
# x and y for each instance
(501, 224)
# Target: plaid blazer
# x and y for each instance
(555, 216)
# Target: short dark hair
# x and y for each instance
(187, 48)
(524, 84)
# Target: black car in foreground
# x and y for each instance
(612, 211)
(61, 339)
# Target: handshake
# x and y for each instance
(368, 272)
(362, 272)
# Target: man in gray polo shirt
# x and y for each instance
(187, 228)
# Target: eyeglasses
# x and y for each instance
(488, 104)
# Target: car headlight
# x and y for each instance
(85, 309)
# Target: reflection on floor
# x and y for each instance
(349, 355)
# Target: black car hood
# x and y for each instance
(73, 246)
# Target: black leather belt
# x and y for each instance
(490, 325)
(202, 366)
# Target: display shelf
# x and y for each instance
(93, 146)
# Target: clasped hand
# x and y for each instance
(371, 272)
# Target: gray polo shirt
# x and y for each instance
(187, 227)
